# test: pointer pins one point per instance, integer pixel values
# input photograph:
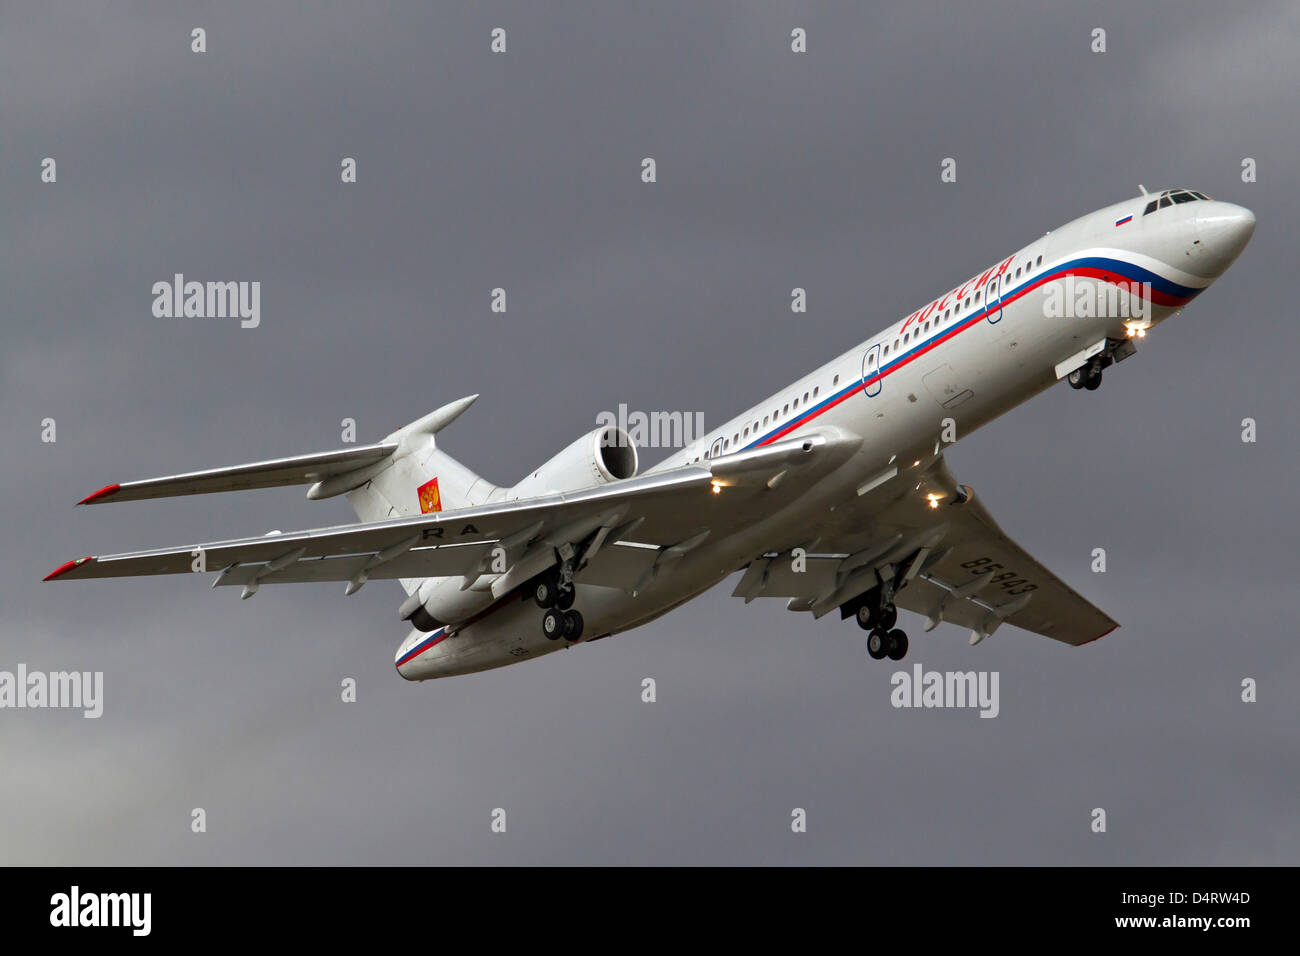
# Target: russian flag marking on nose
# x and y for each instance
(1120, 222)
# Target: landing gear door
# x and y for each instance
(871, 372)
(993, 300)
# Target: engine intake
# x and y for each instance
(597, 458)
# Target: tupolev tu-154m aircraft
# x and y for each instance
(831, 493)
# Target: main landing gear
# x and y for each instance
(891, 644)
(878, 617)
(557, 598)
(558, 624)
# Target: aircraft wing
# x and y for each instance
(958, 565)
(667, 513)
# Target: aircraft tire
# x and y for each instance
(554, 624)
(545, 591)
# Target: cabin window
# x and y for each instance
(805, 398)
(1164, 201)
(787, 408)
(1040, 260)
(835, 381)
(816, 390)
(765, 421)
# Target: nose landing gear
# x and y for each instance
(1089, 376)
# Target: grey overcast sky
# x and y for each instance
(521, 170)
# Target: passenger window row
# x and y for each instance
(955, 311)
(773, 418)
(793, 405)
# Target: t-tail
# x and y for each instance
(405, 474)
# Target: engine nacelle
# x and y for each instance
(441, 601)
(601, 456)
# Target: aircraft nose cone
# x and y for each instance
(1223, 230)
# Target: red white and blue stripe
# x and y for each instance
(434, 638)
(1164, 292)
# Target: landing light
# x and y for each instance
(933, 499)
(717, 487)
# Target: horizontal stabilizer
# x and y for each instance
(299, 470)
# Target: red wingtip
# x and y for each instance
(65, 568)
(101, 493)
(1100, 636)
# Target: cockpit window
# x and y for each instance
(1171, 196)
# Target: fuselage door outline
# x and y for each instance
(993, 300)
(871, 372)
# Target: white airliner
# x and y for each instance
(831, 493)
